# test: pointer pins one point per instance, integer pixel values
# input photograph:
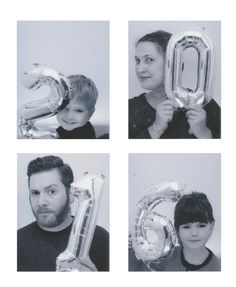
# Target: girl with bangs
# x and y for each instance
(194, 223)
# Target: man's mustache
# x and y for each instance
(44, 210)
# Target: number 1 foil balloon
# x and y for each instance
(149, 219)
(57, 100)
(174, 68)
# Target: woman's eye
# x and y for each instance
(79, 111)
(34, 193)
(52, 191)
(149, 60)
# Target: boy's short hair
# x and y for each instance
(47, 163)
(194, 207)
(84, 90)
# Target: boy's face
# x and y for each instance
(195, 235)
(74, 115)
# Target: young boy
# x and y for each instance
(74, 119)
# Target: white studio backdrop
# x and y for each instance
(97, 164)
(137, 29)
(71, 47)
(199, 172)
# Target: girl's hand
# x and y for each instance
(196, 117)
(164, 114)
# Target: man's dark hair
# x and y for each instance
(194, 207)
(47, 163)
(160, 38)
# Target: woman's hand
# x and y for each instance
(164, 114)
(196, 117)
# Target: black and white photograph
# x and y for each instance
(63, 79)
(63, 212)
(117, 143)
(174, 212)
(174, 79)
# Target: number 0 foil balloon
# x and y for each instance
(148, 219)
(174, 68)
(57, 100)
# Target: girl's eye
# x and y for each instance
(185, 226)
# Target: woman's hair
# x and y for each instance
(194, 207)
(84, 90)
(47, 163)
(160, 38)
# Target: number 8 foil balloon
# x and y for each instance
(174, 68)
(57, 100)
(147, 219)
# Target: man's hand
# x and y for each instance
(77, 266)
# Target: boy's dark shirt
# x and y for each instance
(85, 132)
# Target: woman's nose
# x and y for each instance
(141, 67)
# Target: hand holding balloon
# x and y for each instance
(196, 117)
(164, 113)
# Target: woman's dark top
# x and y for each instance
(85, 132)
(142, 115)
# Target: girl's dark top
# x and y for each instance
(38, 249)
(176, 262)
(142, 116)
(85, 132)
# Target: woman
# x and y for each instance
(152, 115)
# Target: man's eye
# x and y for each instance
(137, 61)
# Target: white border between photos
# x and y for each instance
(118, 13)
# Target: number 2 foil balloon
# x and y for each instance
(57, 100)
(148, 218)
(174, 65)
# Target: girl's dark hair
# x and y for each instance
(194, 207)
(47, 163)
(161, 38)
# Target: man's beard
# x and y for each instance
(48, 218)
